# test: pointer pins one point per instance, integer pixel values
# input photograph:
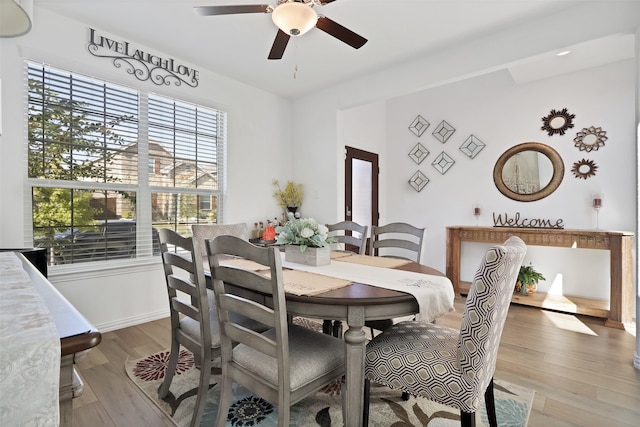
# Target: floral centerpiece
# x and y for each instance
(304, 232)
(306, 241)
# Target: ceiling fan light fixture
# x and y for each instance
(15, 19)
(294, 18)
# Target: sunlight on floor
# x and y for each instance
(568, 322)
(630, 328)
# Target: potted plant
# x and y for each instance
(291, 197)
(306, 241)
(528, 278)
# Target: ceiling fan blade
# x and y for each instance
(279, 45)
(341, 33)
(323, 2)
(231, 10)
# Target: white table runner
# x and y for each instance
(29, 351)
(434, 293)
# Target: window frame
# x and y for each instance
(143, 190)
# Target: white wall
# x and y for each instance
(501, 114)
(269, 138)
(258, 135)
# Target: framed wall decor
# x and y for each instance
(472, 146)
(418, 181)
(419, 125)
(557, 122)
(443, 163)
(443, 131)
(584, 169)
(591, 138)
(418, 153)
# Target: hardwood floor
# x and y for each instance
(581, 371)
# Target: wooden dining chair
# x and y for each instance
(343, 233)
(445, 365)
(194, 321)
(194, 324)
(404, 240)
(396, 240)
(286, 363)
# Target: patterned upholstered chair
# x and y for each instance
(286, 363)
(203, 232)
(452, 367)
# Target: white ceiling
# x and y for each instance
(237, 45)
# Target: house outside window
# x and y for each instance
(109, 165)
(205, 203)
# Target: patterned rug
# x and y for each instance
(513, 403)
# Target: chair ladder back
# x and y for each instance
(228, 302)
(261, 362)
(192, 324)
(184, 274)
(399, 235)
(348, 238)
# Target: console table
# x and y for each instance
(617, 311)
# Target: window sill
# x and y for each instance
(89, 270)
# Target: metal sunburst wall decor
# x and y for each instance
(557, 122)
(591, 138)
(584, 169)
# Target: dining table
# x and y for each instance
(357, 288)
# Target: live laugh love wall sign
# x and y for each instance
(145, 66)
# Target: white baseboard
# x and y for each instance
(636, 361)
(132, 321)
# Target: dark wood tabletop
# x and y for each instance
(366, 294)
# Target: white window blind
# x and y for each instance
(110, 165)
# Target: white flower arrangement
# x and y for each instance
(304, 232)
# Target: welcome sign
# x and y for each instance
(141, 64)
(524, 222)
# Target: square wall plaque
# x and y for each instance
(443, 163)
(443, 131)
(472, 146)
(418, 181)
(418, 153)
(419, 125)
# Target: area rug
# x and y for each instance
(513, 403)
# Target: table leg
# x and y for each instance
(355, 346)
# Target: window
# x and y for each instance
(205, 203)
(110, 165)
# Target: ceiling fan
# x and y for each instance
(293, 18)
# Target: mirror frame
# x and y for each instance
(556, 179)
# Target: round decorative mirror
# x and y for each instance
(584, 169)
(591, 138)
(528, 172)
(557, 122)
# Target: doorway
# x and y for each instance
(361, 187)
